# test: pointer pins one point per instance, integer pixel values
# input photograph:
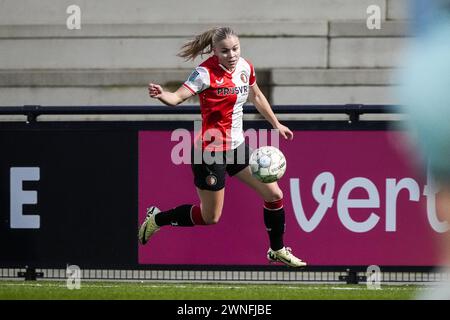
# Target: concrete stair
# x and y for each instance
(305, 51)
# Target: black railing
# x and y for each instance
(352, 110)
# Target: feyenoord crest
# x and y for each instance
(211, 180)
(244, 77)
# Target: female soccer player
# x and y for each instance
(223, 82)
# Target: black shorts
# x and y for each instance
(209, 169)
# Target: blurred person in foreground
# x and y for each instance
(425, 93)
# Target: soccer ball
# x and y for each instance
(268, 164)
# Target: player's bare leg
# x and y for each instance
(268, 191)
(211, 205)
(273, 218)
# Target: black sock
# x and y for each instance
(179, 216)
(275, 225)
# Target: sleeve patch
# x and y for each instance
(193, 76)
(198, 80)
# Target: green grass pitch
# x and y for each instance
(57, 290)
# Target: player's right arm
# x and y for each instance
(169, 98)
(196, 83)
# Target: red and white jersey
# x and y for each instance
(222, 95)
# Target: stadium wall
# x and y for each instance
(305, 51)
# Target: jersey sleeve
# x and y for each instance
(198, 80)
(252, 80)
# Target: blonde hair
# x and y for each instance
(203, 43)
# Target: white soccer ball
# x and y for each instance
(267, 164)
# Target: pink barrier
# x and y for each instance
(351, 198)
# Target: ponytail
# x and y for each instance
(203, 43)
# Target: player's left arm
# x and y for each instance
(264, 108)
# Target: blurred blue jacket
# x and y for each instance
(425, 93)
